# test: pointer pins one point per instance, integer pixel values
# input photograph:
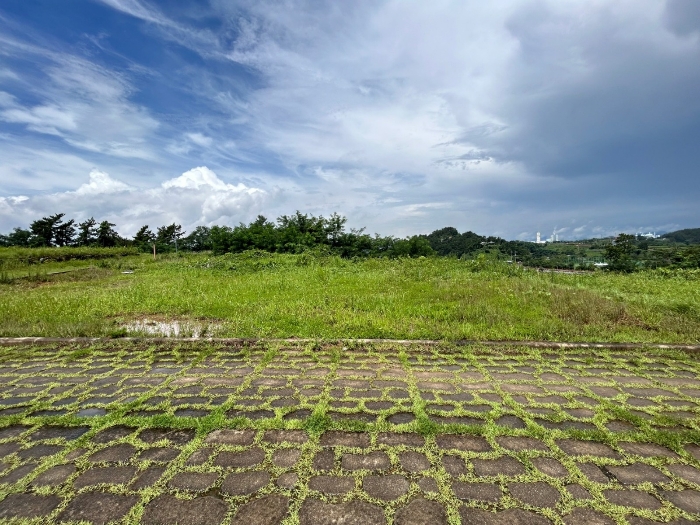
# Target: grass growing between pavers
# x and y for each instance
(536, 389)
(274, 295)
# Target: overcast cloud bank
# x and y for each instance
(505, 117)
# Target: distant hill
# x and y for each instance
(687, 236)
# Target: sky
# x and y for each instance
(504, 117)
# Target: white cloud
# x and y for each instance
(200, 140)
(196, 197)
(101, 182)
(84, 104)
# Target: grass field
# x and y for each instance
(263, 295)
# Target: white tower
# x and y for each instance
(538, 241)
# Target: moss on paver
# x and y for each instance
(146, 422)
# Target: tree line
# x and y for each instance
(300, 232)
(294, 233)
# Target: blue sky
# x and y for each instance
(504, 117)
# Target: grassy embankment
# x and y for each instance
(256, 295)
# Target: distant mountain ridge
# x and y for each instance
(687, 236)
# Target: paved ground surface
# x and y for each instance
(194, 434)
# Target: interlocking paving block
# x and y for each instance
(632, 498)
(687, 500)
(454, 465)
(414, 461)
(619, 426)
(387, 487)
(159, 454)
(580, 516)
(97, 508)
(593, 473)
(686, 472)
(324, 460)
(472, 516)
(537, 494)
(501, 466)
(693, 450)
(39, 451)
(231, 437)
(17, 474)
(581, 413)
(286, 457)
(463, 443)
(268, 510)
(646, 450)
(398, 438)
(54, 432)
(28, 506)
(114, 454)
(242, 483)
(576, 447)
(192, 412)
(636, 520)
(8, 448)
(112, 434)
(355, 512)
(107, 475)
(91, 412)
(332, 484)
(348, 439)
(302, 413)
(427, 484)
(54, 476)
(167, 510)
(193, 481)
(286, 436)
(288, 480)
(578, 492)
(510, 422)
(520, 444)
(401, 418)
(637, 473)
(550, 467)
(421, 512)
(489, 492)
(246, 458)
(370, 461)
(147, 478)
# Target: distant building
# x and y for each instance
(539, 239)
(648, 235)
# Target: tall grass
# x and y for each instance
(268, 295)
(21, 256)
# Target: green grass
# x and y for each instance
(263, 295)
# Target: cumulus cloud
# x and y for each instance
(197, 197)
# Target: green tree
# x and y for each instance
(44, 230)
(199, 240)
(18, 237)
(87, 232)
(144, 238)
(106, 235)
(64, 233)
(167, 237)
(619, 254)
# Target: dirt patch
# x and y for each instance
(158, 326)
